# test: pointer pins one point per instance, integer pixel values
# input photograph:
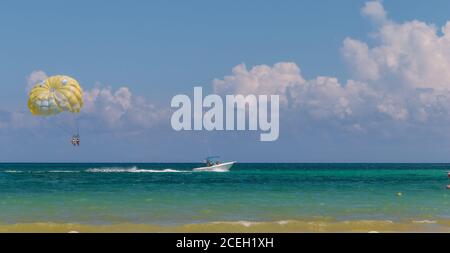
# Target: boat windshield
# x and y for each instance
(212, 160)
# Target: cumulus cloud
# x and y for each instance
(34, 78)
(109, 105)
(120, 109)
(360, 60)
(261, 79)
(15, 120)
(412, 54)
(401, 77)
(11, 121)
(410, 60)
(404, 77)
(375, 11)
(325, 97)
(394, 109)
(320, 98)
(104, 108)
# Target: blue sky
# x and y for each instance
(153, 50)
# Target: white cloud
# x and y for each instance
(411, 54)
(409, 61)
(107, 104)
(324, 97)
(17, 120)
(360, 60)
(375, 11)
(320, 98)
(394, 109)
(261, 79)
(104, 107)
(405, 77)
(120, 109)
(34, 78)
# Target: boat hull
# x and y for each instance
(223, 167)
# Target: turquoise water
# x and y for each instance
(173, 194)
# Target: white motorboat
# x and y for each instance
(213, 166)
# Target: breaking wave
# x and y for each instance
(425, 221)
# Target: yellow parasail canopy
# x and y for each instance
(54, 95)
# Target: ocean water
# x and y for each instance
(174, 195)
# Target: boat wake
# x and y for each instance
(133, 170)
(212, 170)
(41, 171)
(118, 170)
(63, 171)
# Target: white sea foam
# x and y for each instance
(283, 222)
(131, 170)
(247, 223)
(63, 171)
(41, 171)
(242, 223)
(425, 221)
